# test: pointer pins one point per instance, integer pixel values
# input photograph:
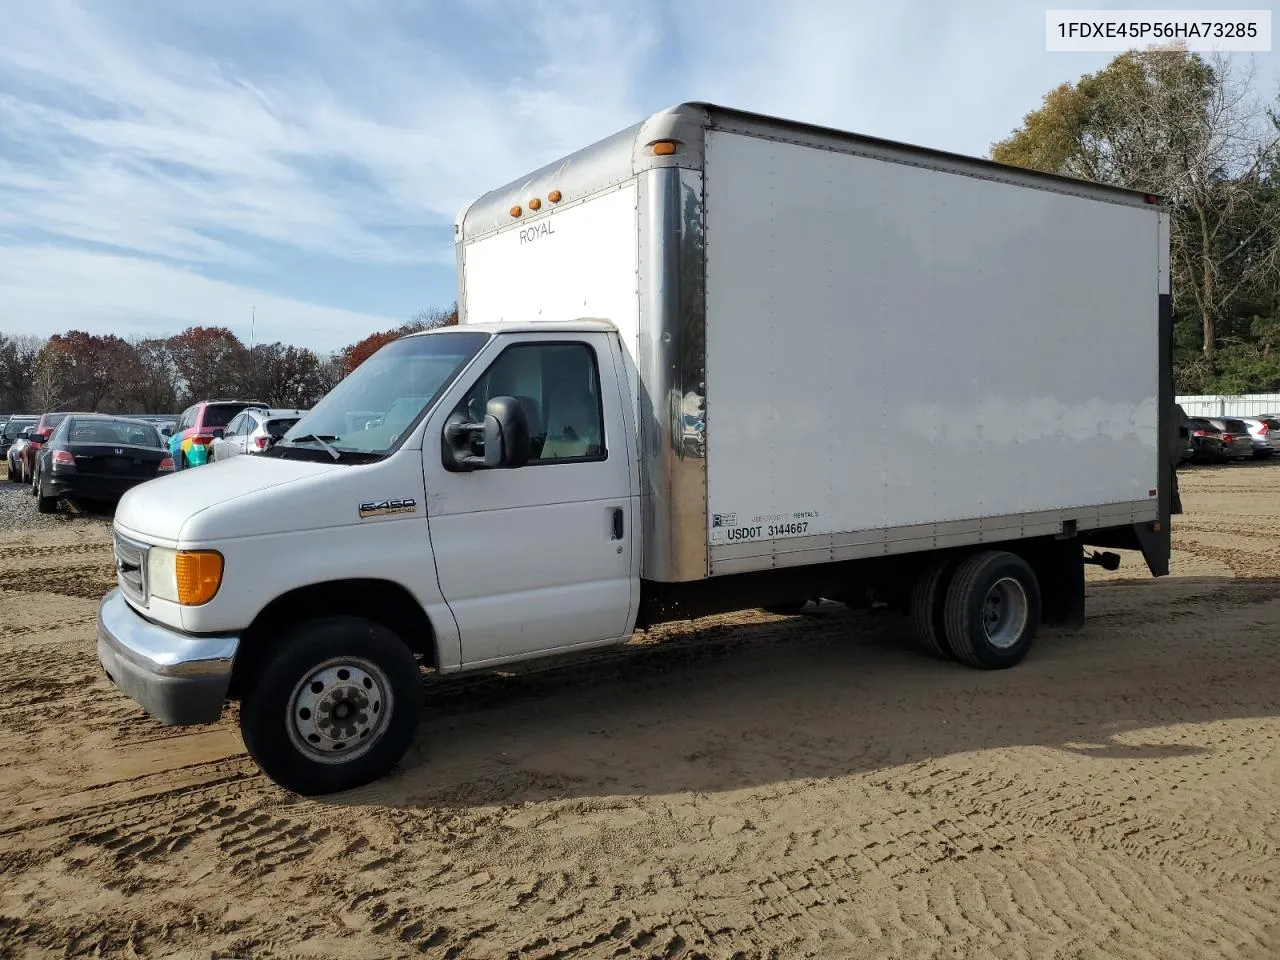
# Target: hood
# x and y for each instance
(161, 507)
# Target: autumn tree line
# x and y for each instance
(1197, 133)
(110, 374)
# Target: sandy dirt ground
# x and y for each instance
(746, 786)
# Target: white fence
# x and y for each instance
(1248, 405)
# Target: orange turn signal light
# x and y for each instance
(664, 148)
(199, 576)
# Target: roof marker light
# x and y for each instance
(664, 148)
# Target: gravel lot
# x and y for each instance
(747, 786)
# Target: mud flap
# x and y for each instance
(1155, 543)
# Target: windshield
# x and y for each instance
(15, 427)
(372, 409)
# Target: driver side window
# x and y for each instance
(559, 387)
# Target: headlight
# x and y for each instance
(188, 577)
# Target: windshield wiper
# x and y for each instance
(323, 440)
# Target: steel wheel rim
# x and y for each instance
(339, 710)
(1004, 612)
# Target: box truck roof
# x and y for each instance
(622, 155)
(578, 325)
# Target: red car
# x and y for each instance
(27, 456)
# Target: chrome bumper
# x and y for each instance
(177, 678)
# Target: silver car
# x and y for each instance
(1237, 443)
(253, 430)
(1264, 431)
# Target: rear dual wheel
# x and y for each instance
(982, 610)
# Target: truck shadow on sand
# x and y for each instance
(734, 704)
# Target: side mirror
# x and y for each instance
(504, 431)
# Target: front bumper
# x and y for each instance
(177, 678)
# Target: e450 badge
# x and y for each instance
(383, 508)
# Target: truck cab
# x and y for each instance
(486, 514)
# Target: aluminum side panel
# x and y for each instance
(672, 361)
(894, 346)
(565, 264)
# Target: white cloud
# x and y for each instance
(235, 136)
(51, 289)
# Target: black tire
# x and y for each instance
(44, 504)
(967, 610)
(266, 711)
(34, 484)
(928, 607)
(789, 609)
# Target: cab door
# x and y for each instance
(541, 557)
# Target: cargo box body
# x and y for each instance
(843, 348)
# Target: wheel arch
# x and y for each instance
(382, 601)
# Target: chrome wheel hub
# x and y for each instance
(1004, 612)
(338, 711)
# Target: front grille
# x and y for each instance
(131, 568)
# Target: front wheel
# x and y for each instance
(992, 610)
(333, 706)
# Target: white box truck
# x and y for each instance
(715, 361)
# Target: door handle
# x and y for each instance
(616, 518)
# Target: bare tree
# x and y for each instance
(17, 370)
(430, 318)
(1225, 227)
(50, 380)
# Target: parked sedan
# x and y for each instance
(1264, 432)
(1236, 440)
(9, 435)
(14, 456)
(43, 430)
(95, 457)
(253, 431)
(1206, 442)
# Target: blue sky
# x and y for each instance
(165, 164)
